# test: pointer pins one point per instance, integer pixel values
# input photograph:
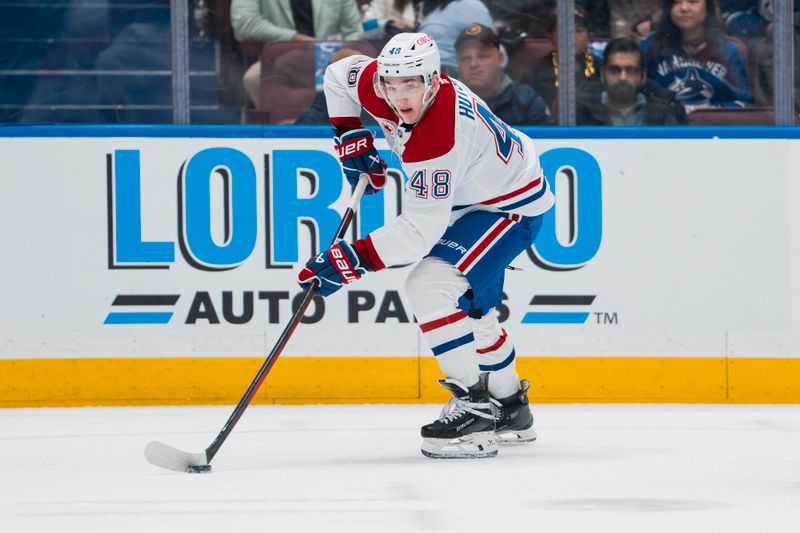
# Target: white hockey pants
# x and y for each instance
(463, 346)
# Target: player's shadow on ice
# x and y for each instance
(510, 456)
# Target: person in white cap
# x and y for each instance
(473, 201)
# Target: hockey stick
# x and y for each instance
(171, 458)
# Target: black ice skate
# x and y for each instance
(465, 429)
(514, 420)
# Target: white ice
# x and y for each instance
(595, 468)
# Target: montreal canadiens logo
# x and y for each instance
(352, 76)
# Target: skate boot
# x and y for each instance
(465, 428)
(515, 421)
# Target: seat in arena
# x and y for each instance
(733, 116)
(288, 71)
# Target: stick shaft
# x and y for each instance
(308, 295)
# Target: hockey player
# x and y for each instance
(472, 203)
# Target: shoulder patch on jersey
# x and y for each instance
(352, 76)
(371, 102)
(355, 68)
(435, 134)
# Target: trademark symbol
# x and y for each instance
(606, 318)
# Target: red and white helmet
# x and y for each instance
(410, 54)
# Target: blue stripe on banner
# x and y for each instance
(527, 200)
(451, 345)
(499, 366)
(138, 318)
(554, 318)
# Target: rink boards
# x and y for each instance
(155, 265)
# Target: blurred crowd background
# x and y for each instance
(637, 62)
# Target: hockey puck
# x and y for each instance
(198, 469)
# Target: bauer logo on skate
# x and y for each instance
(267, 212)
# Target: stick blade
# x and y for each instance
(164, 456)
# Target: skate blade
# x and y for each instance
(516, 436)
(473, 446)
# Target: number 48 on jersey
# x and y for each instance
(438, 187)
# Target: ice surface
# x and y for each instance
(609, 468)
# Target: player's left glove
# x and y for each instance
(336, 266)
(358, 156)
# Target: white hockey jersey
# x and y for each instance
(458, 158)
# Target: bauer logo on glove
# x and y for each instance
(337, 266)
(357, 153)
(343, 265)
(357, 148)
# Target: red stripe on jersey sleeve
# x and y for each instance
(435, 134)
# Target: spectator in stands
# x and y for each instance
(644, 26)
(741, 18)
(137, 46)
(383, 19)
(295, 20)
(766, 63)
(688, 55)
(631, 16)
(520, 19)
(627, 97)
(318, 112)
(543, 75)
(445, 19)
(598, 12)
(480, 64)
(79, 41)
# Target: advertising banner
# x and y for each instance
(189, 247)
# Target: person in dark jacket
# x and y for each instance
(627, 97)
(480, 66)
(543, 74)
(600, 15)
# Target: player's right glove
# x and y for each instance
(337, 266)
(358, 156)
